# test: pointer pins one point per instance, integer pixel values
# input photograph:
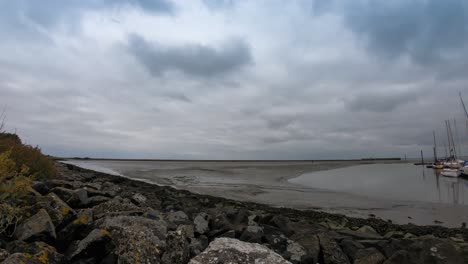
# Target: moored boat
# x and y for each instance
(450, 172)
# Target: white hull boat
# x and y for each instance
(450, 172)
(464, 170)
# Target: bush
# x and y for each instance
(19, 165)
(40, 166)
(14, 187)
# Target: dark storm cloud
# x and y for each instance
(428, 31)
(192, 59)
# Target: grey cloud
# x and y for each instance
(429, 31)
(379, 102)
(17, 16)
(192, 59)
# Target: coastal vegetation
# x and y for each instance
(20, 164)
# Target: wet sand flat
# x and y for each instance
(268, 183)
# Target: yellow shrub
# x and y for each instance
(40, 166)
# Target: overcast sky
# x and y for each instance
(220, 79)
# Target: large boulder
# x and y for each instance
(177, 217)
(36, 252)
(114, 207)
(253, 234)
(37, 227)
(139, 199)
(77, 229)
(369, 256)
(75, 198)
(3, 254)
(311, 244)
(137, 239)
(332, 253)
(296, 253)
(96, 245)
(434, 250)
(228, 250)
(111, 189)
(351, 247)
(177, 247)
(59, 211)
(200, 223)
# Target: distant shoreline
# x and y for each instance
(221, 160)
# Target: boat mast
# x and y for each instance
(463, 104)
(448, 140)
(452, 141)
(435, 147)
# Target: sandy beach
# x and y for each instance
(267, 183)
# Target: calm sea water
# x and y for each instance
(394, 181)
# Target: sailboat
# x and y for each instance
(438, 165)
(464, 168)
(452, 165)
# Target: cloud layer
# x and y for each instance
(233, 79)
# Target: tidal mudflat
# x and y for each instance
(400, 192)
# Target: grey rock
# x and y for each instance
(77, 229)
(311, 245)
(115, 205)
(95, 245)
(434, 250)
(178, 251)
(58, 210)
(201, 222)
(37, 227)
(3, 254)
(196, 246)
(177, 217)
(252, 234)
(64, 193)
(359, 234)
(253, 220)
(40, 187)
(98, 199)
(400, 257)
(229, 234)
(139, 199)
(153, 214)
(137, 239)
(332, 253)
(369, 256)
(111, 189)
(351, 247)
(36, 252)
(233, 251)
(80, 197)
(283, 223)
(295, 252)
(275, 239)
(20, 258)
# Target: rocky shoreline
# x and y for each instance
(91, 217)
